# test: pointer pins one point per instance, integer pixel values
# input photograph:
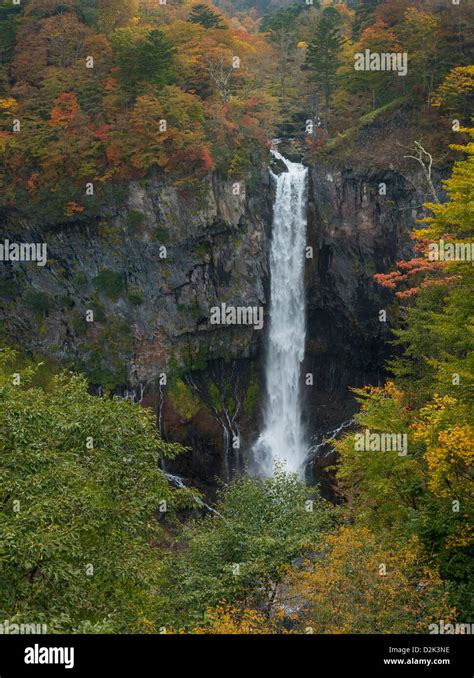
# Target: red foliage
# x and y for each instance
(426, 273)
(207, 161)
(65, 110)
(102, 132)
(110, 83)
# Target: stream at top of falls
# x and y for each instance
(282, 440)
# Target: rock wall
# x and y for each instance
(152, 266)
(359, 224)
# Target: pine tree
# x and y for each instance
(323, 53)
(201, 14)
(8, 25)
(143, 59)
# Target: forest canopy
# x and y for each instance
(97, 94)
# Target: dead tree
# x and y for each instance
(425, 159)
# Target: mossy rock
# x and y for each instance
(39, 302)
(251, 396)
(135, 298)
(110, 283)
(135, 219)
(161, 234)
(184, 401)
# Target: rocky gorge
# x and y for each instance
(126, 299)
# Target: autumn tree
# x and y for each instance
(228, 619)
(354, 583)
(46, 8)
(456, 93)
(166, 132)
(452, 220)
(113, 14)
(420, 34)
(364, 16)
(380, 86)
(428, 491)
(358, 584)
(443, 426)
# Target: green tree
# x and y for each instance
(8, 26)
(144, 57)
(237, 553)
(322, 58)
(114, 13)
(79, 486)
(201, 14)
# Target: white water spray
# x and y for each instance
(282, 439)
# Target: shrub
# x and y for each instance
(109, 282)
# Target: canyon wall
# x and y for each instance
(155, 263)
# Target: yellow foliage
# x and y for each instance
(459, 82)
(227, 619)
(9, 104)
(360, 585)
(72, 208)
(449, 447)
(461, 537)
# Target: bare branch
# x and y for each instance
(425, 159)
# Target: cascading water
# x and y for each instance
(282, 439)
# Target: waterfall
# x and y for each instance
(178, 482)
(282, 438)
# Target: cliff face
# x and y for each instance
(154, 264)
(150, 270)
(359, 224)
(355, 232)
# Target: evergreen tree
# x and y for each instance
(201, 14)
(322, 58)
(143, 58)
(8, 25)
(283, 20)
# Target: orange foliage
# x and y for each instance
(65, 110)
